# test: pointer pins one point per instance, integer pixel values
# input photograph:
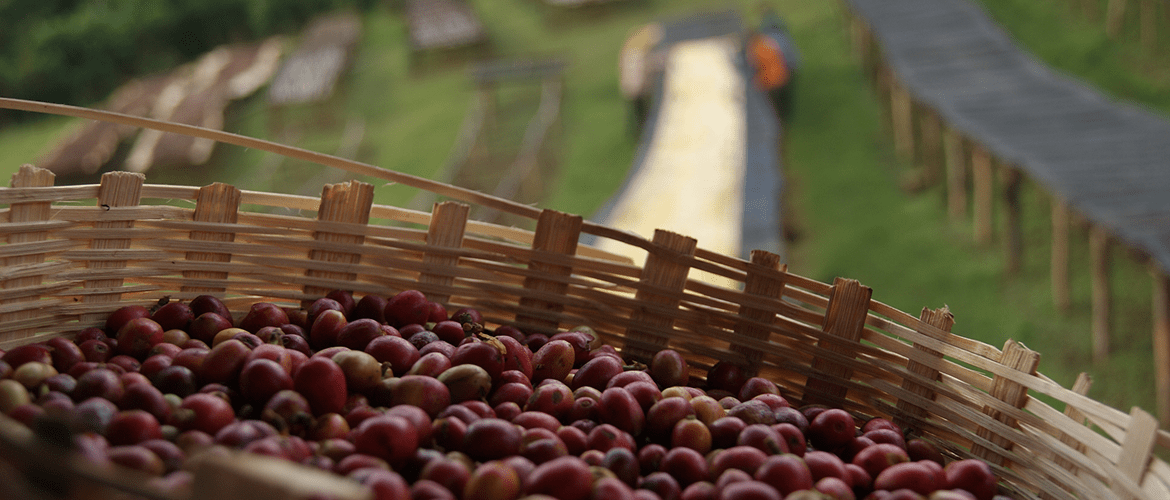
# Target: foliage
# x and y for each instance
(76, 52)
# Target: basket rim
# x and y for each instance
(908, 332)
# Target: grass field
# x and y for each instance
(854, 220)
(1120, 67)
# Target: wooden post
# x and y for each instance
(1017, 357)
(118, 189)
(1149, 27)
(1115, 17)
(1161, 342)
(35, 211)
(910, 413)
(346, 203)
(1060, 280)
(861, 41)
(931, 143)
(448, 225)
(871, 57)
(844, 321)
(956, 167)
(883, 81)
(557, 234)
(1012, 179)
(902, 120)
(1102, 296)
(983, 180)
(218, 203)
(666, 269)
(762, 280)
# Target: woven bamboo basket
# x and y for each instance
(76, 253)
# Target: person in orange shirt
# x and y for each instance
(773, 58)
(771, 69)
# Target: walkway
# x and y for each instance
(707, 165)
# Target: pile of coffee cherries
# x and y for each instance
(400, 395)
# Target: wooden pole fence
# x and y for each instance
(956, 171)
(984, 179)
(1013, 226)
(1161, 343)
(944, 148)
(1059, 261)
(1102, 295)
(1115, 17)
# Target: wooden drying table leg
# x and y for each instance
(1115, 17)
(956, 170)
(1060, 280)
(1149, 28)
(931, 144)
(1012, 180)
(902, 120)
(1102, 296)
(1161, 309)
(983, 181)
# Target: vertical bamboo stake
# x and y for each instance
(983, 180)
(1017, 357)
(762, 280)
(1099, 250)
(909, 413)
(1012, 181)
(1161, 308)
(1080, 386)
(1060, 280)
(844, 321)
(1136, 449)
(557, 234)
(666, 269)
(36, 211)
(218, 203)
(346, 203)
(931, 143)
(902, 120)
(117, 189)
(1115, 17)
(956, 166)
(448, 225)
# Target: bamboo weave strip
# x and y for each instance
(704, 321)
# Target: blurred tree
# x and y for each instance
(76, 52)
